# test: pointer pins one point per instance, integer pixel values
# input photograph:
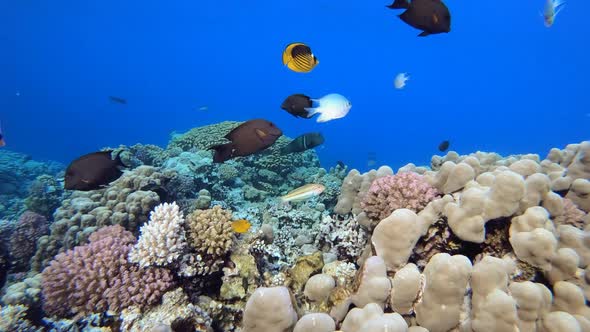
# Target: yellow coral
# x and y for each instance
(210, 231)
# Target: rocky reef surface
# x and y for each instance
(469, 243)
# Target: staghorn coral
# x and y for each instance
(97, 277)
(30, 227)
(401, 191)
(210, 235)
(162, 239)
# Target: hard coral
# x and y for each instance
(162, 238)
(210, 235)
(404, 190)
(97, 277)
(30, 227)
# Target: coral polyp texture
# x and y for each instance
(97, 277)
(470, 243)
(405, 190)
(161, 240)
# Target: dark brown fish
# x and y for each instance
(2, 142)
(304, 142)
(118, 100)
(246, 139)
(430, 16)
(296, 104)
(93, 171)
(443, 146)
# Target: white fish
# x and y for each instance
(330, 107)
(552, 8)
(400, 80)
(304, 192)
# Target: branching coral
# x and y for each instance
(97, 277)
(162, 239)
(30, 227)
(401, 191)
(210, 235)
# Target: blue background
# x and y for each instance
(500, 81)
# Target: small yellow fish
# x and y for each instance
(240, 226)
(298, 58)
(552, 8)
(305, 192)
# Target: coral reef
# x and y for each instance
(97, 277)
(404, 190)
(162, 238)
(18, 172)
(127, 202)
(472, 243)
(210, 236)
(23, 241)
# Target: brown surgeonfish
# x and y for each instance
(304, 142)
(443, 146)
(296, 105)
(248, 138)
(93, 171)
(298, 58)
(430, 16)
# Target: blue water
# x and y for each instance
(499, 81)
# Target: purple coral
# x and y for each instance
(97, 277)
(405, 190)
(23, 242)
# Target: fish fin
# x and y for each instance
(260, 133)
(223, 152)
(311, 111)
(423, 34)
(324, 117)
(118, 159)
(558, 7)
(399, 4)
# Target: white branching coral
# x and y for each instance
(162, 239)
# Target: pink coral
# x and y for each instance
(404, 190)
(97, 277)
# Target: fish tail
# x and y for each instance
(399, 4)
(311, 111)
(558, 6)
(286, 149)
(118, 158)
(222, 153)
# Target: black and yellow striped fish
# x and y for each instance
(298, 57)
